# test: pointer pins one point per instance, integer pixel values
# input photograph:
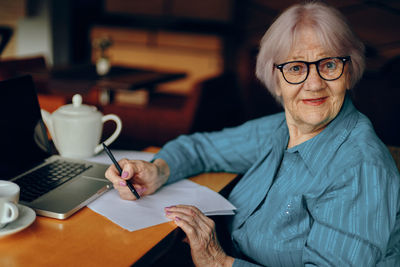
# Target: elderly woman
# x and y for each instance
(319, 187)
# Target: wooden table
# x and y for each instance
(89, 239)
(64, 82)
(84, 77)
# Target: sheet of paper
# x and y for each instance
(120, 154)
(149, 210)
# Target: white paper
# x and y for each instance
(120, 154)
(149, 210)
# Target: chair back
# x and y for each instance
(12, 67)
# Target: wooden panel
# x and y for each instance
(200, 56)
(120, 35)
(280, 5)
(135, 7)
(197, 65)
(218, 10)
(189, 41)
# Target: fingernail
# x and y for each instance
(168, 213)
(122, 183)
(124, 174)
(177, 219)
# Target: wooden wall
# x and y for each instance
(199, 55)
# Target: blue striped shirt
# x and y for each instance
(330, 201)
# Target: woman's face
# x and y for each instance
(311, 105)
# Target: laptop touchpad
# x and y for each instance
(70, 195)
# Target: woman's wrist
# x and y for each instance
(163, 171)
(222, 259)
(228, 262)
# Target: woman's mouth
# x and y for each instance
(315, 101)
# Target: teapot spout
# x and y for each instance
(49, 124)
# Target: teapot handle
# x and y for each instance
(116, 133)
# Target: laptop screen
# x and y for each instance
(23, 138)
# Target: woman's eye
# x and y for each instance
(295, 68)
(330, 65)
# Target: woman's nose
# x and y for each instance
(314, 82)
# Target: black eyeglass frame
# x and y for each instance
(316, 63)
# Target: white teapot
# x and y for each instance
(76, 128)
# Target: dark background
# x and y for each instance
(241, 24)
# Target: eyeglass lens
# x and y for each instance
(328, 69)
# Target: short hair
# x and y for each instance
(330, 27)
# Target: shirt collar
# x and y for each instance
(318, 151)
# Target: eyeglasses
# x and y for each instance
(329, 69)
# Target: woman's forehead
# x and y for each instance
(307, 45)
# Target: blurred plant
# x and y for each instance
(102, 44)
(103, 64)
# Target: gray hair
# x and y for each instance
(331, 28)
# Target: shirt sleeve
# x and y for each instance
(243, 263)
(231, 150)
(353, 219)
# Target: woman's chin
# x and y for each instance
(317, 122)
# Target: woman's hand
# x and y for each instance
(146, 177)
(201, 235)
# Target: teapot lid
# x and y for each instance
(77, 108)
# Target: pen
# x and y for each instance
(108, 151)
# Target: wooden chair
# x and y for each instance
(16, 66)
(165, 117)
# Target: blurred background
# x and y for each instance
(210, 46)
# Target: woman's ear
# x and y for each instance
(347, 84)
(348, 78)
(278, 91)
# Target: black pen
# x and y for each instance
(108, 151)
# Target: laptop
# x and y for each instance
(52, 185)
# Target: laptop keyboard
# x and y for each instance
(48, 177)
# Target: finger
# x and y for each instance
(183, 210)
(141, 176)
(186, 211)
(140, 189)
(196, 237)
(134, 170)
(128, 168)
(188, 229)
(191, 215)
(125, 193)
(204, 245)
(113, 176)
(130, 171)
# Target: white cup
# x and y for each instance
(9, 197)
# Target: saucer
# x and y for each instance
(26, 217)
